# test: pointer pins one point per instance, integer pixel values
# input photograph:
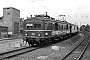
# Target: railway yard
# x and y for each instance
(41, 37)
(45, 36)
(74, 48)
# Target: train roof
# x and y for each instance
(38, 18)
(47, 19)
(65, 22)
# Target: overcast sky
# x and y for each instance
(76, 11)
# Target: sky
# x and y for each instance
(76, 11)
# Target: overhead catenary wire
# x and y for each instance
(55, 11)
(48, 8)
(44, 7)
(79, 7)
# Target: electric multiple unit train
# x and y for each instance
(42, 29)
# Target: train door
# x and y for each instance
(56, 26)
(70, 28)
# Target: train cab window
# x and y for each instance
(29, 26)
(37, 26)
(50, 25)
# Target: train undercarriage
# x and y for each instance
(51, 39)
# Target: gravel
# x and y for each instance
(48, 53)
(8, 45)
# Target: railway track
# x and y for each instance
(77, 51)
(20, 51)
(13, 53)
(10, 54)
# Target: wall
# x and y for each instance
(11, 18)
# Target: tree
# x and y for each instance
(87, 28)
(82, 28)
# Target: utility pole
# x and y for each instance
(46, 14)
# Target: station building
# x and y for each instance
(11, 19)
(3, 32)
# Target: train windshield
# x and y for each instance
(33, 26)
(29, 26)
(37, 26)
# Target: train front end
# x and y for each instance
(34, 32)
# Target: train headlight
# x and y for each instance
(39, 34)
(46, 33)
(33, 33)
(26, 34)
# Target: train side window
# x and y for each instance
(45, 26)
(50, 26)
(53, 26)
(61, 27)
(56, 26)
(74, 27)
(70, 26)
(66, 27)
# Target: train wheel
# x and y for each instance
(29, 43)
(38, 43)
(59, 39)
(46, 41)
(32, 44)
(64, 37)
(42, 42)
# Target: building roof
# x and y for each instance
(11, 7)
(3, 27)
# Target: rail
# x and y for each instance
(75, 47)
(13, 53)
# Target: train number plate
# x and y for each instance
(33, 33)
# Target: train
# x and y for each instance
(42, 29)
